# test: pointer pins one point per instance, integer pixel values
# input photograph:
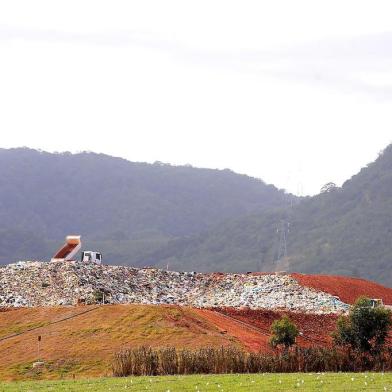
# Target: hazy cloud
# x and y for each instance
(360, 64)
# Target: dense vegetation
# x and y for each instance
(345, 230)
(122, 208)
(150, 361)
(365, 329)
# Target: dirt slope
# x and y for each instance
(249, 335)
(81, 340)
(84, 345)
(346, 288)
(315, 329)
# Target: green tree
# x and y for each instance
(284, 332)
(98, 296)
(366, 327)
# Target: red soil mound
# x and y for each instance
(346, 288)
(315, 329)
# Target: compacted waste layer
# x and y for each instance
(34, 283)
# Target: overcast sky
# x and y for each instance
(298, 93)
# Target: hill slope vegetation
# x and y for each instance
(193, 219)
(345, 230)
(122, 208)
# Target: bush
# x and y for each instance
(365, 329)
(284, 332)
(98, 296)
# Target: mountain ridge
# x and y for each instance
(123, 207)
(345, 230)
(186, 218)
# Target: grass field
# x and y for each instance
(244, 382)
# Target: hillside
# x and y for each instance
(81, 341)
(84, 343)
(122, 208)
(193, 219)
(142, 308)
(346, 231)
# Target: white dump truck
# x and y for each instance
(71, 247)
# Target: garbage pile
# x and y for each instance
(33, 283)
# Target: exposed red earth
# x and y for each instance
(346, 288)
(315, 329)
(250, 336)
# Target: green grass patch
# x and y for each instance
(228, 382)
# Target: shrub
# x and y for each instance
(98, 296)
(365, 329)
(284, 332)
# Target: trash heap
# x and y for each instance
(33, 283)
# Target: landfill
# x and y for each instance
(36, 283)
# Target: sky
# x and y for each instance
(298, 93)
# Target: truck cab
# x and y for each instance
(376, 302)
(91, 257)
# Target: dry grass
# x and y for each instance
(85, 345)
(147, 361)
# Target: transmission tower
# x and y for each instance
(263, 252)
(283, 231)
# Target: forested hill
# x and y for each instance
(122, 208)
(193, 219)
(345, 230)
